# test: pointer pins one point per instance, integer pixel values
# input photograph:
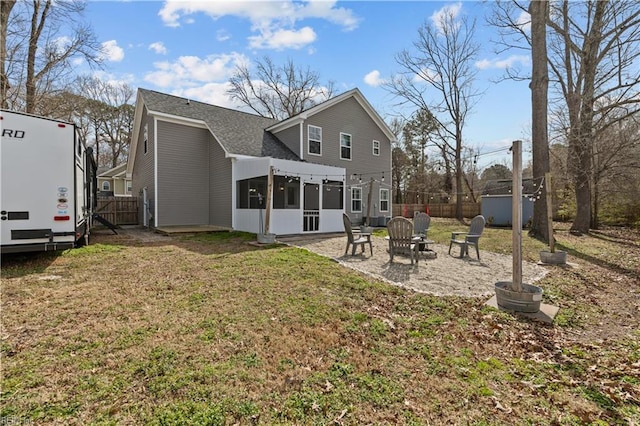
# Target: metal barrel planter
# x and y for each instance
(557, 257)
(528, 300)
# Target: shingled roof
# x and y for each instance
(238, 132)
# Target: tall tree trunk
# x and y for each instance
(539, 102)
(582, 143)
(5, 11)
(459, 174)
(37, 24)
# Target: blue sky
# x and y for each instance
(190, 48)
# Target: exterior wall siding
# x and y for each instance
(220, 182)
(349, 117)
(291, 138)
(143, 170)
(183, 183)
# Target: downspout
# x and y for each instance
(155, 173)
(302, 140)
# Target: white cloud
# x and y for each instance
(509, 62)
(222, 35)
(111, 52)
(188, 71)
(426, 75)
(283, 39)
(524, 21)
(274, 23)
(158, 47)
(451, 11)
(374, 79)
(211, 93)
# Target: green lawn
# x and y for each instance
(212, 330)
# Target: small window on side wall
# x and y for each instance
(376, 147)
(315, 140)
(145, 136)
(106, 186)
(345, 146)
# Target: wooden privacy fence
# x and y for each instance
(118, 210)
(436, 210)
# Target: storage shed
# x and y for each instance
(497, 202)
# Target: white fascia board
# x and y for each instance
(136, 133)
(356, 94)
(250, 167)
(178, 119)
(289, 122)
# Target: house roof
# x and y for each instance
(504, 186)
(113, 172)
(239, 133)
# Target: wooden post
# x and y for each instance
(516, 216)
(267, 215)
(549, 198)
(368, 222)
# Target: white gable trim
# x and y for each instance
(354, 93)
(170, 118)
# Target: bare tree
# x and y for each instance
(444, 62)
(616, 167)
(539, 10)
(5, 11)
(417, 133)
(109, 108)
(278, 91)
(40, 39)
(592, 49)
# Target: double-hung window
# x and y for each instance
(315, 140)
(376, 148)
(345, 146)
(145, 137)
(356, 200)
(384, 200)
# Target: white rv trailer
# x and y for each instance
(47, 184)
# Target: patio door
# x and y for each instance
(311, 214)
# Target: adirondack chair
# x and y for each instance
(361, 240)
(401, 239)
(421, 222)
(470, 238)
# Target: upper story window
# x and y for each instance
(145, 136)
(345, 146)
(384, 200)
(376, 147)
(315, 140)
(106, 186)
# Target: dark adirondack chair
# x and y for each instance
(401, 239)
(360, 239)
(421, 222)
(470, 238)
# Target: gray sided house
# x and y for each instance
(193, 163)
(497, 202)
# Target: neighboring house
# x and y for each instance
(193, 163)
(497, 202)
(114, 182)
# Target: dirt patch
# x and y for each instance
(440, 274)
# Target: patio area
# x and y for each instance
(441, 275)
